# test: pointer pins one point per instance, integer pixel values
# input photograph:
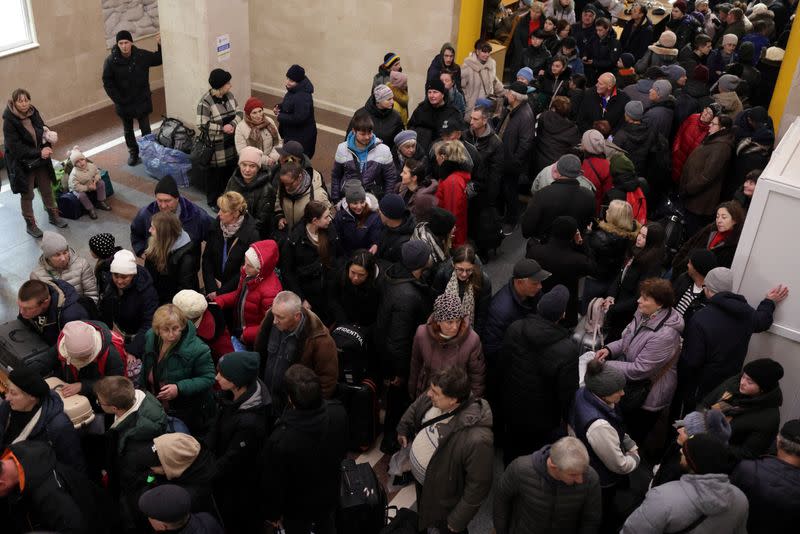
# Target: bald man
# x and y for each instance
(602, 102)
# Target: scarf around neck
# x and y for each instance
(468, 300)
(229, 230)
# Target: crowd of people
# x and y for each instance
(205, 348)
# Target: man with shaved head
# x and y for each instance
(602, 102)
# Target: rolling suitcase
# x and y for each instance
(77, 407)
(107, 180)
(352, 351)
(19, 345)
(361, 403)
(362, 500)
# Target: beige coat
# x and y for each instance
(81, 179)
(79, 274)
(292, 210)
(243, 133)
(479, 80)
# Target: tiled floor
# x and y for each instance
(133, 189)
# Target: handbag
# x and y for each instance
(202, 148)
(32, 163)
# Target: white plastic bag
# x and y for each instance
(583, 361)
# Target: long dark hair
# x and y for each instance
(466, 253)
(738, 215)
(315, 210)
(653, 252)
(363, 258)
(418, 168)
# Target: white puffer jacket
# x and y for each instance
(79, 274)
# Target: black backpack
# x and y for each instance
(352, 348)
(173, 134)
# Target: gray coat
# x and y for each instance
(528, 500)
(459, 475)
(646, 347)
(676, 505)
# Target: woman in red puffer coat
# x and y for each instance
(258, 285)
(454, 172)
(690, 134)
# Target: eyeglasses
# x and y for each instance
(468, 270)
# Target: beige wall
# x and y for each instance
(340, 43)
(64, 73)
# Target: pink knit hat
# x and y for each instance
(250, 154)
(80, 343)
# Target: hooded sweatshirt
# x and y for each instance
(676, 505)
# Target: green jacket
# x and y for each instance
(148, 422)
(190, 367)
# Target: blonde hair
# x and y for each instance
(232, 201)
(166, 315)
(453, 151)
(620, 214)
(537, 6)
(168, 230)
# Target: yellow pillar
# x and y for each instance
(784, 83)
(469, 27)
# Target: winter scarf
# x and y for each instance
(305, 185)
(25, 119)
(255, 139)
(423, 233)
(467, 301)
(229, 230)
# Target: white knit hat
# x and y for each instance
(191, 303)
(75, 154)
(252, 256)
(124, 262)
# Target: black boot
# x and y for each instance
(133, 159)
(33, 229)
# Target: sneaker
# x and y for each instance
(33, 230)
(133, 159)
(93, 214)
(103, 206)
(508, 229)
(57, 221)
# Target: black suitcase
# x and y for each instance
(352, 350)
(361, 403)
(362, 500)
(404, 522)
(19, 345)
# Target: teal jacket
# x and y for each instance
(190, 367)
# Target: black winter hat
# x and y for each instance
(168, 503)
(703, 260)
(553, 304)
(296, 73)
(102, 245)
(218, 78)
(29, 381)
(393, 206)
(564, 228)
(627, 60)
(124, 35)
(415, 254)
(441, 222)
(706, 454)
(167, 186)
(765, 372)
(241, 368)
(435, 84)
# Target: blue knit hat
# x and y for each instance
(526, 73)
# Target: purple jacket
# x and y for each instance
(647, 346)
(375, 171)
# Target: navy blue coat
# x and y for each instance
(716, 339)
(505, 308)
(194, 220)
(352, 236)
(772, 487)
(53, 427)
(132, 311)
(296, 120)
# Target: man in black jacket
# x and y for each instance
(539, 365)
(38, 493)
(126, 79)
(716, 340)
(553, 490)
(301, 459)
(602, 102)
(489, 172)
(601, 55)
(45, 307)
(566, 256)
(516, 131)
(398, 225)
(405, 304)
(427, 119)
(565, 196)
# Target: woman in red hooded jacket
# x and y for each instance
(258, 285)
(690, 134)
(454, 168)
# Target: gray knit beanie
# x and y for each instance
(603, 380)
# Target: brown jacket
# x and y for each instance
(459, 475)
(431, 353)
(704, 172)
(318, 350)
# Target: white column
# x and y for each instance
(198, 36)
